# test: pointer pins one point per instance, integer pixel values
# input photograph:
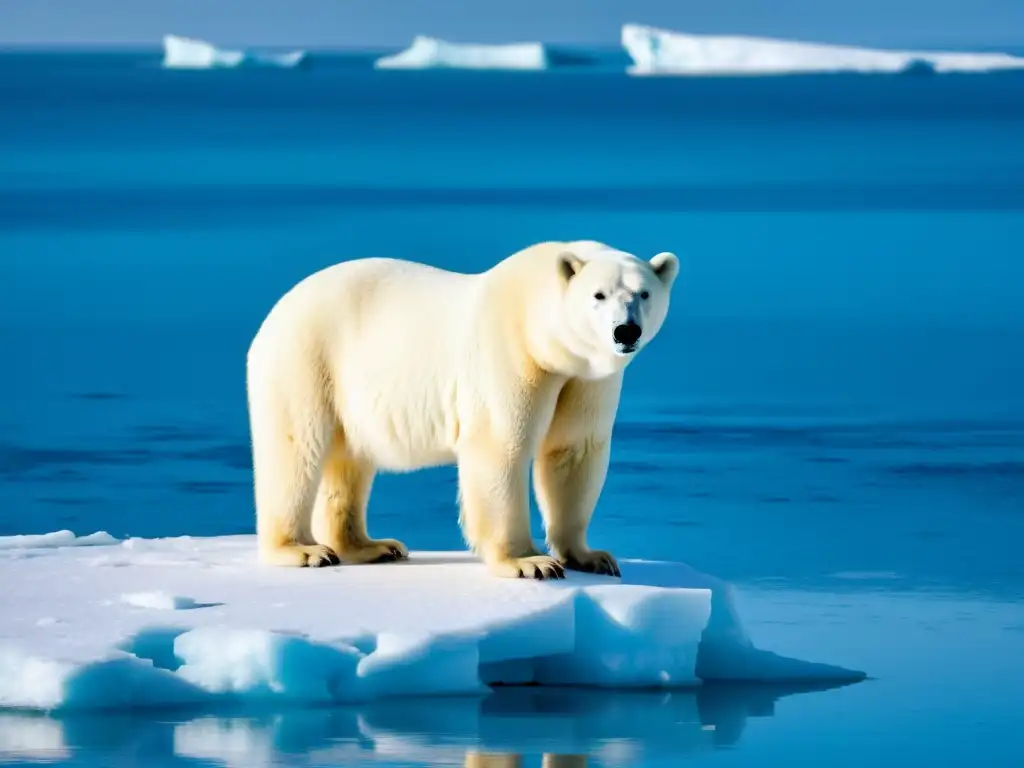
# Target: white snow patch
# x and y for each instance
(158, 601)
(189, 53)
(436, 624)
(428, 52)
(55, 539)
(661, 51)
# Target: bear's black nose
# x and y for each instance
(627, 334)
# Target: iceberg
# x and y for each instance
(288, 60)
(660, 51)
(428, 52)
(137, 623)
(188, 53)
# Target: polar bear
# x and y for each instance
(384, 365)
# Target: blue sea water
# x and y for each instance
(832, 418)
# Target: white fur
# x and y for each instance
(383, 364)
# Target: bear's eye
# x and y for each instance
(644, 295)
(599, 296)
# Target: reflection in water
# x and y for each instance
(567, 726)
(481, 760)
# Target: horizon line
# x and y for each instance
(352, 47)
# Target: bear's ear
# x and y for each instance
(666, 267)
(569, 264)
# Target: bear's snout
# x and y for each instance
(627, 334)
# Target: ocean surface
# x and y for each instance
(832, 417)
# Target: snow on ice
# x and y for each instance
(137, 623)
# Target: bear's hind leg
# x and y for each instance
(339, 513)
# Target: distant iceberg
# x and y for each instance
(188, 53)
(660, 51)
(288, 60)
(183, 52)
(429, 52)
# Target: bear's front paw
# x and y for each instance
(318, 556)
(375, 551)
(393, 550)
(593, 561)
(538, 567)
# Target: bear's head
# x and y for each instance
(614, 303)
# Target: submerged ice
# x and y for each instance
(660, 51)
(169, 621)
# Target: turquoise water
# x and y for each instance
(832, 417)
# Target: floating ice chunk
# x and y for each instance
(427, 52)
(55, 539)
(436, 624)
(660, 51)
(188, 53)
